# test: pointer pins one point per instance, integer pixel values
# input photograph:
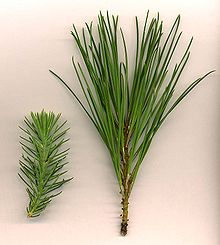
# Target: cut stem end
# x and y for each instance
(30, 215)
(124, 229)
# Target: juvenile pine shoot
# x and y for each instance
(128, 105)
(43, 159)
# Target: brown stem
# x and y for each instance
(125, 183)
(124, 221)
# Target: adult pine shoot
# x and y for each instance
(127, 108)
(43, 159)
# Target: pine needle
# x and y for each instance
(42, 159)
(128, 112)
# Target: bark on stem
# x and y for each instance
(124, 222)
(125, 182)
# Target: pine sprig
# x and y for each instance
(128, 111)
(43, 159)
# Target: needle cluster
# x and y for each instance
(43, 159)
(128, 106)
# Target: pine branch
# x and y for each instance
(127, 114)
(42, 159)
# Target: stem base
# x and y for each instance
(124, 229)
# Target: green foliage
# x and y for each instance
(127, 108)
(43, 159)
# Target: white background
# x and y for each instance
(176, 197)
